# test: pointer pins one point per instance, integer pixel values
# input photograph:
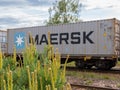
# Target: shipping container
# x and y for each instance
(98, 39)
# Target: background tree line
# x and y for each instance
(64, 11)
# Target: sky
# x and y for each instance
(27, 13)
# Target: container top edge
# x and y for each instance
(64, 24)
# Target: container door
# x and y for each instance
(117, 38)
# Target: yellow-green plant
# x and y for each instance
(4, 84)
(1, 60)
(38, 72)
(9, 80)
(1, 65)
(14, 56)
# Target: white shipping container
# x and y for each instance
(90, 38)
(3, 41)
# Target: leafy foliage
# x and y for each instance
(64, 11)
(33, 74)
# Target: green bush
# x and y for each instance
(34, 74)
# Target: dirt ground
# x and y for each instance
(94, 82)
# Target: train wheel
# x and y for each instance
(89, 66)
(80, 64)
(105, 65)
(98, 64)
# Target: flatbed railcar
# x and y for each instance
(90, 43)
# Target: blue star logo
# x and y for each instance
(19, 40)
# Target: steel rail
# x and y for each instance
(92, 87)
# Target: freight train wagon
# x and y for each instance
(89, 43)
(3, 41)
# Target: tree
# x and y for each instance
(64, 11)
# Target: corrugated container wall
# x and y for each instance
(91, 38)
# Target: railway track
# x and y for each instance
(86, 87)
(112, 71)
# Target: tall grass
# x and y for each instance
(37, 72)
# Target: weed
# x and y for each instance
(88, 82)
(118, 85)
(35, 74)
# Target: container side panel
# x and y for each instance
(106, 37)
(83, 38)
